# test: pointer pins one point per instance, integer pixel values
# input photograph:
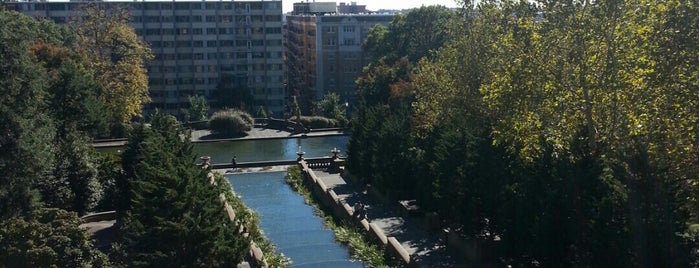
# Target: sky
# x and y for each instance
(379, 4)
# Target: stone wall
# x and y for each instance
(329, 198)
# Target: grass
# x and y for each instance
(352, 237)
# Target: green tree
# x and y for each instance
(26, 142)
(197, 109)
(331, 107)
(47, 238)
(173, 215)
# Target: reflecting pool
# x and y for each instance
(267, 150)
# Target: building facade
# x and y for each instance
(200, 47)
(324, 53)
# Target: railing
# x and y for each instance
(319, 162)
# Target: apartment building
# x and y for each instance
(324, 53)
(199, 47)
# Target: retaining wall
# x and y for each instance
(328, 198)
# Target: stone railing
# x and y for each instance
(342, 210)
(255, 252)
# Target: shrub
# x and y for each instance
(230, 123)
(317, 122)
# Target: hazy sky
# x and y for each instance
(380, 4)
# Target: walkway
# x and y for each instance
(426, 249)
(256, 133)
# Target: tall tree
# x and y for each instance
(172, 216)
(117, 56)
(26, 143)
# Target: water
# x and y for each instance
(263, 150)
(267, 150)
(289, 223)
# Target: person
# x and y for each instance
(358, 207)
(233, 161)
(359, 210)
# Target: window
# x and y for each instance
(349, 42)
(152, 19)
(182, 31)
(181, 18)
(210, 30)
(332, 29)
(211, 43)
(210, 18)
(196, 31)
(198, 56)
(227, 43)
(198, 43)
(331, 42)
(182, 5)
(212, 5)
(196, 18)
(272, 18)
(274, 42)
(348, 28)
(226, 18)
(273, 30)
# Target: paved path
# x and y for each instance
(426, 249)
(256, 133)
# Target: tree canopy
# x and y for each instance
(567, 129)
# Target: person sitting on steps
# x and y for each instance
(359, 210)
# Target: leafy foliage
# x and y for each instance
(317, 122)
(47, 238)
(197, 109)
(26, 143)
(116, 56)
(173, 215)
(230, 123)
(331, 107)
(566, 129)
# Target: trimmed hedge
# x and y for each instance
(230, 123)
(317, 122)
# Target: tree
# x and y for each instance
(331, 107)
(173, 215)
(197, 109)
(295, 109)
(26, 142)
(116, 56)
(47, 238)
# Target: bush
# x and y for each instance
(317, 122)
(230, 123)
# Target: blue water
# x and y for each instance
(268, 150)
(289, 223)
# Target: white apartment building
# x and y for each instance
(199, 47)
